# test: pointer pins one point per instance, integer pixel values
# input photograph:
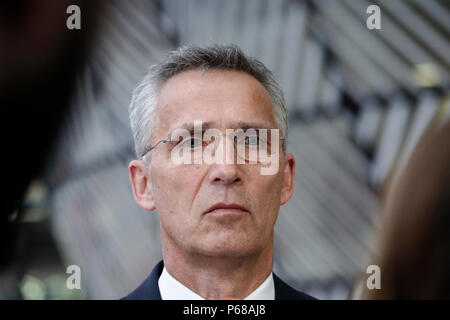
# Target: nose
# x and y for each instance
(225, 170)
(225, 174)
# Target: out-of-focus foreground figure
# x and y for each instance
(414, 237)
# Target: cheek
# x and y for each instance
(267, 185)
(266, 194)
(176, 186)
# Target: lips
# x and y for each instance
(226, 207)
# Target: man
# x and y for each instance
(216, 218)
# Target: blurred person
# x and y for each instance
(413, 243)
(216, 220)
(39, 61)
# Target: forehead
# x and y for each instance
(224, 98)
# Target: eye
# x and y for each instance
(192, 143)
(248, 140)
(252, 140)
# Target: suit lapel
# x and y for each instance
(284, 292)
(149, 289)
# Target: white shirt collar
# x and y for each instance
(171, 289)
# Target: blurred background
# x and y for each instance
(358, 99)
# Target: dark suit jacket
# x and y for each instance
(149, 289)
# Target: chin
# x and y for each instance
(228, 253)
(234, 248)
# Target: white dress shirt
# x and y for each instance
(171, 289)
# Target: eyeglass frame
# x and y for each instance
(167, 140)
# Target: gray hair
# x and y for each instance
(217, 57)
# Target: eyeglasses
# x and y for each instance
(153, 147)
(247, 144)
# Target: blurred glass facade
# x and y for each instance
(358, 99)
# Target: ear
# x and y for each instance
(287, 189)
(140, 183)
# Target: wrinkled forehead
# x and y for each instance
(220, 99)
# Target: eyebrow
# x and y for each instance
(189, 126)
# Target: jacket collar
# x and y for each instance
(149, 289)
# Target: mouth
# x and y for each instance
(227, 209)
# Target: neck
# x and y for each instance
(219, 277)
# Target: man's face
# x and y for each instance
(183, 193)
